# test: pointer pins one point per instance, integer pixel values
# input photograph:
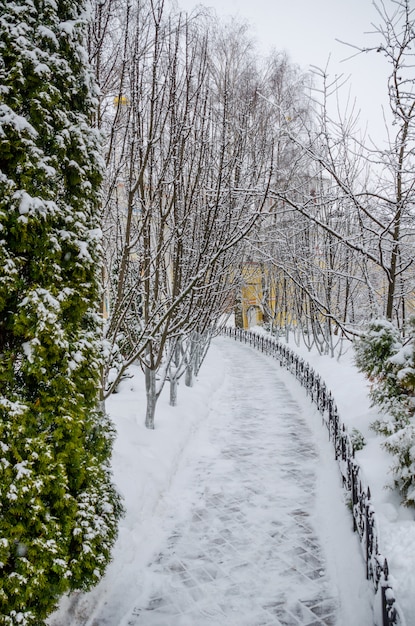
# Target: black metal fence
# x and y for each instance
(364, 518)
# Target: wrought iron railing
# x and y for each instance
(364, 518)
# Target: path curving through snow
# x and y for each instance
(252, 529)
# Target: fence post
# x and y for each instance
(354, 492)
(389, 613)
(367, 539)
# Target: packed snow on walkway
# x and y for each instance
(215, 532)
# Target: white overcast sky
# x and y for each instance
(307, 30)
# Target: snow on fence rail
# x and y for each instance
(364, 518)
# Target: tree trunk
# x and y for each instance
(239, 320)
(150, 376)
(188, 380)
(173, 389)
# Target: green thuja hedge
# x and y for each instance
(58, 509)
(388, 360)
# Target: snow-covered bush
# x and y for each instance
(388, 363)
(58, 508)
(357, 439)
(388, 360)
(402, 446)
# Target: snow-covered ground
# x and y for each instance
(160, 477)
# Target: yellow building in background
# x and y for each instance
(256, 296)
(266, 296)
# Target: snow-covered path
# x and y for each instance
(245, 552)
(242, 533)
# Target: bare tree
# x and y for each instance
(373, 185)
(184, 186)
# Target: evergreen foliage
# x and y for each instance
(59, 510)
(388, 361)
(402, 446)
(357, 439)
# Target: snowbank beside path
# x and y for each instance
(350, 390)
